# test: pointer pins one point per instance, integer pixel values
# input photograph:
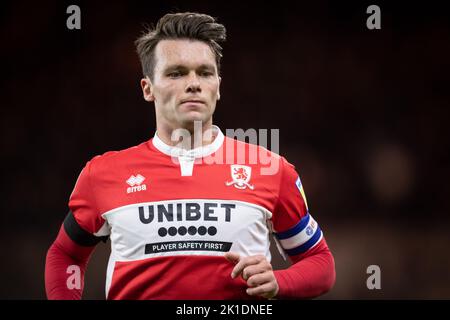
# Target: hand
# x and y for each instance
(258, 273)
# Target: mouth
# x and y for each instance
(192, 101)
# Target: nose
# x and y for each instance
(193, 84)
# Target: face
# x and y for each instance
(185, 86)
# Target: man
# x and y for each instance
(186, 218)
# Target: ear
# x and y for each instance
(147, 89)
(218, 89)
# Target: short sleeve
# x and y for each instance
(84, 223)
(294, 227)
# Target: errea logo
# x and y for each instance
(135, 182)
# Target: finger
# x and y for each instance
(243, 263)
(232, 257)
(267, 290)
(252, 270)
(260, 279)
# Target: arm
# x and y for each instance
(64, 252)
(69, 254)
(311, 274)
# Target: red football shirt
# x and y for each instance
(171, 214)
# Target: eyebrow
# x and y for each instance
(183, 67)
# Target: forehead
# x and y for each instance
(189, 53)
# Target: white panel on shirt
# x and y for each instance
(135, 236)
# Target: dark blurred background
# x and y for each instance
(363, 114)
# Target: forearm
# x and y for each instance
(309, 277)
(62, 254)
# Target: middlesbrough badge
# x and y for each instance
(240, 176)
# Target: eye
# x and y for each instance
(206, 74)
(174, 74)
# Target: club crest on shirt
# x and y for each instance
(240, 176)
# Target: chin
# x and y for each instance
(188, 121)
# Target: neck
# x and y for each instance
(196, 135)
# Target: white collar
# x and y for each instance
(192, 153)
